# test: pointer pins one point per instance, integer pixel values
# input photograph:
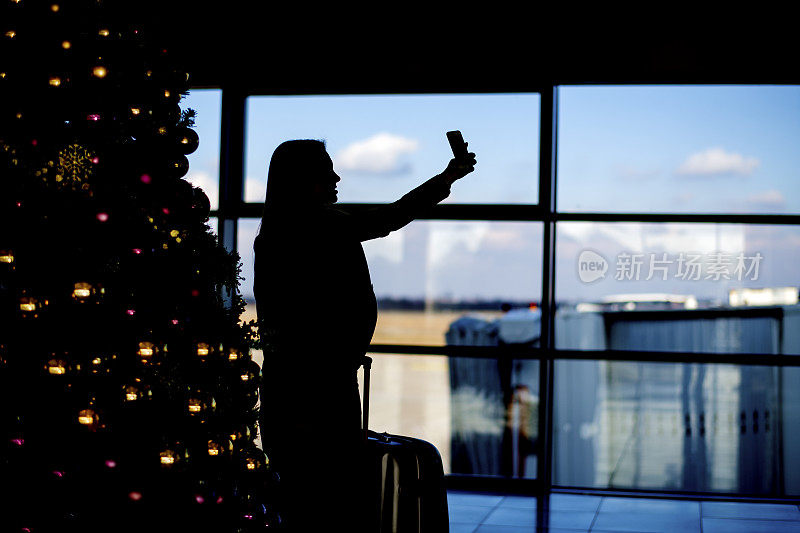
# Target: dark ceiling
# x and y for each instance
(302, 48)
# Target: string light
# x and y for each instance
(28, 304)
(169, 457)
(195, 405)
(132, 393)
(215, 448)
(199, 404)
(146, 349)
(82, 291)
(56, 367)
(87, 417)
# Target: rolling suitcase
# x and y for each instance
(406, 477)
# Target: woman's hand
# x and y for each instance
(459, 167)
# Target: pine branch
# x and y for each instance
(187, 118)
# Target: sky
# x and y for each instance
(706, 149)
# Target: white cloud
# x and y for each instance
(770, 198)
(716, 161)
(447, 237)
(381, 154)
(254, 190)
(636, 237)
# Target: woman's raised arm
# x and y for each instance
(380, 221)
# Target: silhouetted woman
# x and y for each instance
(317, 312)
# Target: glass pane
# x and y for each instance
(247, 231)
(675, 426)
(481, 415)
(384, 146)
(713, 288)
(682, 149)
(437, 283)
(204, 162)
(443, 282)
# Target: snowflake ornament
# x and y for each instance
(72, 171)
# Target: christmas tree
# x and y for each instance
(129, 398)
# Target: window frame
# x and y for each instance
(232, 207)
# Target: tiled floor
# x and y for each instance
(571, 513)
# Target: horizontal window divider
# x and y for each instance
(695, 314)
(444, 89)
(512, 212)
(229, 214)
(722, 218)
(640, 356)
(637, 356)
(537, 213)
(675, 495)
(529, 486)
(491, 352)
(243, 211)
(492, 484)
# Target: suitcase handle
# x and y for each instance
(366, 362)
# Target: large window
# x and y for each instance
(680, 287)
(430, 274)
(677, 426)
(671, 240)
(679, 149)
(619, 313)
(384, 146)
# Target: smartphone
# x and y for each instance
(457, 144)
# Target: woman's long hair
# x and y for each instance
(288, 187)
